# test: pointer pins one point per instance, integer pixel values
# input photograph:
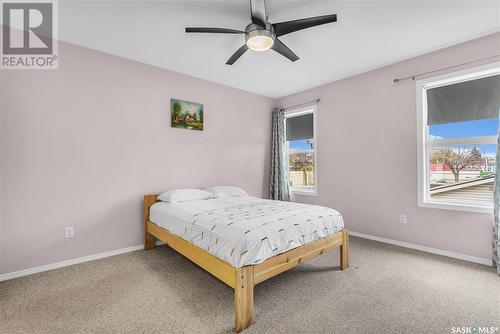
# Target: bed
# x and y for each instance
(245, 240)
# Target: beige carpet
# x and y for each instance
(387, 289)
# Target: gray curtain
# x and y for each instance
(279, 175)
(496, 203)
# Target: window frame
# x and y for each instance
(304, 110)
(424, 145)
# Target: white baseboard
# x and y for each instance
(34, 270)
(454, 255)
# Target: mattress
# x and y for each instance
(246, 230)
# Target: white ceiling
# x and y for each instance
(368, 34)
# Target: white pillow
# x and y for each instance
(184, 195)
(227, 191)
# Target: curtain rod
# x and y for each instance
(303, 104)
(442, 69)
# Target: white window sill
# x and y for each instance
(303, 192)
(456, 206)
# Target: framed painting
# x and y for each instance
(186, 115)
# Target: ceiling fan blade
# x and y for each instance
(237, 54)
(282, 49)
(213, 30)
(258, 10)
(287, 27)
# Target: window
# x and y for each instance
(300, 127)
(457, 139)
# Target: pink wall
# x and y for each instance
(82, 144)
(367, 151)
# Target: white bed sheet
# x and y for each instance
(246, 230)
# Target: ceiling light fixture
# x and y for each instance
(260, 40)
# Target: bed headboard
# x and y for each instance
(148, 201)
(149, 240)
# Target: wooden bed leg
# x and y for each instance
(344, 250)
(243, 298)
(149, 240)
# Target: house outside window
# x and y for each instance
(300, 127)
(457, 139)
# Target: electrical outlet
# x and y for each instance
(403, 219)
(69, 232)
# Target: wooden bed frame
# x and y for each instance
(242, 280)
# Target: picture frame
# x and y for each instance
(186, 114)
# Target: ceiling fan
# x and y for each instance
(261, 35)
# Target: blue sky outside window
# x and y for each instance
(303, 144)
(482, 127)
(476, 128)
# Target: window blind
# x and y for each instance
(464, 101)
(299, 127)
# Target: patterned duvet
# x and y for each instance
(246, 230)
